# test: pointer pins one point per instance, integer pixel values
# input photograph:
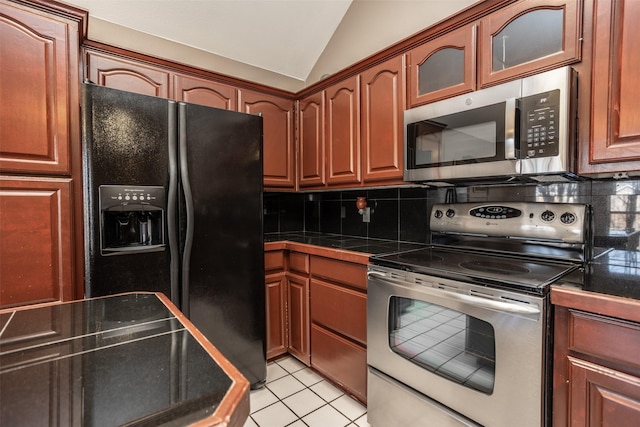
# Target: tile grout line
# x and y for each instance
(306, 387)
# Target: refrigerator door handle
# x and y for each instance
(172, 204)
(188, 198)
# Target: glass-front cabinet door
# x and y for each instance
(528, 36)
(443, 67)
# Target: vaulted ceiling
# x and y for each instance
(281, 36)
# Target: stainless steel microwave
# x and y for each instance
(522, 127)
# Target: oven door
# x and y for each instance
(475, 350)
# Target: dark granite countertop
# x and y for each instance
(615, 273)
(127, 359)
(347, 243)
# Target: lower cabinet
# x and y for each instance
(596, 370)
(275, 296)
(339, 323)
(317, 312)
(35, 240)
(287, 300)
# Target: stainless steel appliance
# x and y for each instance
(522, 127)
(458, 333)
(173, 195)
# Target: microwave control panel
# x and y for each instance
(539, 117)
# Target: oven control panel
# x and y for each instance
(544, 221)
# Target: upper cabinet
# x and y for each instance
(278, 136)
(311, 166)
(615, 121)
(124, 74)
(527, 37)
(382, 90)
(39, 87)
(133, 75)
(342, 132)
(40, 160)
(443, 67)
(196, 90)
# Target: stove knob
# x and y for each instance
(568, 218)
(547, 216)
(438, 214)
(451, 213)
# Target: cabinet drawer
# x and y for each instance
(341, 309)
(339, 271)
(606, 338)
(341, 360)
(274, 260)
(299, 262)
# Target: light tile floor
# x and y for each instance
(295, 396)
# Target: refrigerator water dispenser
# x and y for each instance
(132, 219)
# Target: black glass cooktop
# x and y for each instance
(490, 269)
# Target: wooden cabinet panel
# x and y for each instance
(276, 314)
(274, 260)
(615, 126)
(37, 83)
(602, 397)
(201, 91)
(311, 141)
(342, 134)
(347, 273)
(443, 67)
(278, 136)
(341, 360)
(340, 309)
(596, 378)
(604, 337)
(298, 317)
(35, 240)
(299, 262)
(382, 115)
(523, 47)
(125, 74)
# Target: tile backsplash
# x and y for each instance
(402, 213)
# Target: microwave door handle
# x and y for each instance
(510, 307)
(510, 129)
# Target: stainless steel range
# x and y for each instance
(458, 333)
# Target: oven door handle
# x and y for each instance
(510, 307)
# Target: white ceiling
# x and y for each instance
(286, 37)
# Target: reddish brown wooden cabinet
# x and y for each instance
(311, 167)
(39, 84)
(442, 67)
(36, 220)
(197, 90)
(276, 303)
(596, 366)
(125, 74)
(338, 322)
(40, 170)
(278, 138)
(342, 132)
(614, 144)
(527, 37)
(299, 344)
(382, 90)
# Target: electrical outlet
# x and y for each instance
(366, 215)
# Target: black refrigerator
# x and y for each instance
(173, 204)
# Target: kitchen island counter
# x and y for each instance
(131, 359)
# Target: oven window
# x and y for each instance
(447, 342)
